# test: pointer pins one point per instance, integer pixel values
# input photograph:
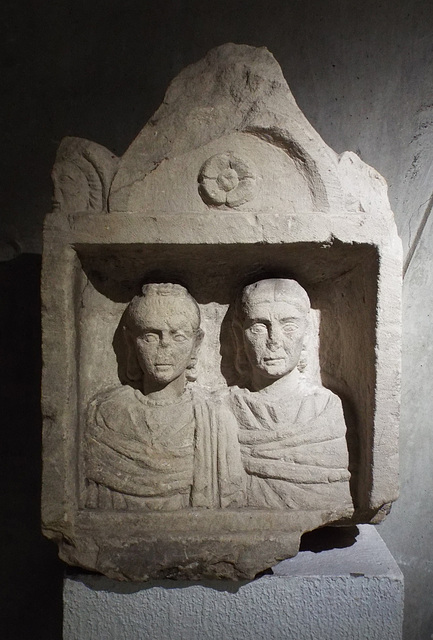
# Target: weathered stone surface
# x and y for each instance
(349, 593)
(82, 175)
(199, 430)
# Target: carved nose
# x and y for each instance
(273, 345)
(165, 341)
(274, 339)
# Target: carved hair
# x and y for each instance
(132, 323)
(269, 290)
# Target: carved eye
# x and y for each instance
(151, 337)
(258, 328)
(289, 327)
(179, 337)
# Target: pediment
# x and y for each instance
(230, 113)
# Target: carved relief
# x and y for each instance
(159, 443)
(226, 179)
(149, 443)
(291, 432)
(148, 472)
(82, 175)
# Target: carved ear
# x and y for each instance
(133, 370)
(309, 357)
(191, 373)
(198, 340)
(241, 363)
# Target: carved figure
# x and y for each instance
(291, 432)
(226, 178)
(150, 447)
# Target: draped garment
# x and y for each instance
(145, 455)
(293, 448)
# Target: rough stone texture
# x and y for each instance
(254, 191)
(249, 447)
(236, 100)
(415, 508)
(350, 593)
(82, 176)
(362, 74)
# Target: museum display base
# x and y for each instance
(347, 593)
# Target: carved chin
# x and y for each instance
(276, 367)
(166, 375)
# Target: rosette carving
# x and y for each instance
(225, 179)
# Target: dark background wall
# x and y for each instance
(362, 74)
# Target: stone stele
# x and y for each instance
(221, 335)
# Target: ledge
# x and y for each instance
(349, 593)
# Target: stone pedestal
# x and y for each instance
(349, 593)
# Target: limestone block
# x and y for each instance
(350, 593)
(221, 335)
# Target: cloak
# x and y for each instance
(293, 448)
(148, 455)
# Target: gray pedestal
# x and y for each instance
(351, 593)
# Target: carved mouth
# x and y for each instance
(273, 360)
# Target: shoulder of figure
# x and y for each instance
(324, 398)
(198, 393)
(228, 394)
(114, 396)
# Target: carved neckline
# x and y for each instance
(185, 397)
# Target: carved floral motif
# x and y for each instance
(82, 176)
(226, 179)
(148, 472)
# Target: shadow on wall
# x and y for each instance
(31, 586)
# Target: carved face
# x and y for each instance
(165, 340)
(273, 337)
